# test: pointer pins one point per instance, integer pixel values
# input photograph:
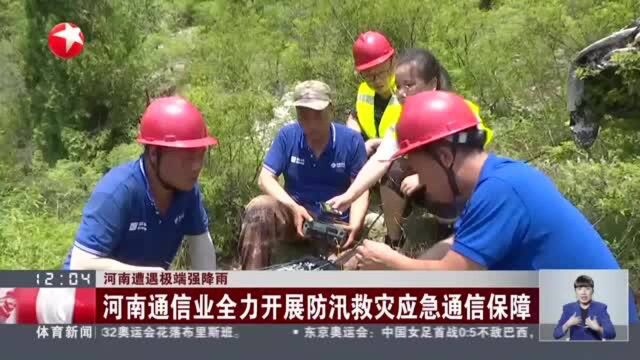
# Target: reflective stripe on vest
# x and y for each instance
(366, 112)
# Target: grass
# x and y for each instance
(35, 242)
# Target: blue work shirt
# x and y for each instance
(516, 219)
(310, 180)
(120, 220)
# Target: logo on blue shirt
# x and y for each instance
(138, 226)
(297, 160)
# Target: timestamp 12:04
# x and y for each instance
(64, 278)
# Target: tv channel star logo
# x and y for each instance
(66, 40)
(585, 305)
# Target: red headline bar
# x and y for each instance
(317, 305)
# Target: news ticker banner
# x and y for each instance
(284, 341)
(307, 333)
(209, 304)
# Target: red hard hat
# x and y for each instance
(174, 122)
(371, 49)
(430, 116)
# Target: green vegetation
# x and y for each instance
(64, 123)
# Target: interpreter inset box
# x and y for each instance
(584, 305)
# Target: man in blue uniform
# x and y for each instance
(512, 217)
(318, 159)
(140, 212)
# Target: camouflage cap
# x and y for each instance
(312, 94)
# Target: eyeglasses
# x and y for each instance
(372, 76)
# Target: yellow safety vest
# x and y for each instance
(366, 113)
(481, 125)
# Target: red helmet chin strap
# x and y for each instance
(156, 169)
(453, 184)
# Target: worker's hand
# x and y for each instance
(354, 231)
(410, 184)
(373, 255)
(371, 145)
(341, 202)
(592, 323)
(300, 214)
(573, 321)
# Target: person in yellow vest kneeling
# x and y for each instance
(377, 107)
(377, 110)
(416, 70)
